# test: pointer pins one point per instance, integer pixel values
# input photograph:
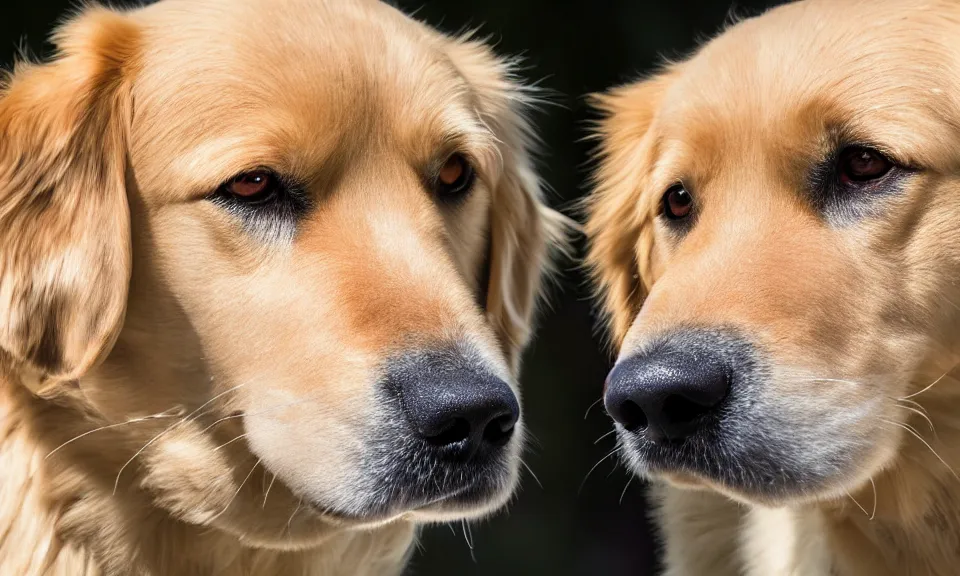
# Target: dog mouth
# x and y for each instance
(397, 494)
(708, 406)
(753, 458)
(750, 472)
(374, 517)
(404, 476)
(447, 442)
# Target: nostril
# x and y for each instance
(456, 431)
(679, 410)
(453, 405)
(632, 417)
(499, 431)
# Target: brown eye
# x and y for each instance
(677, 202)
(267, 204)
(858, 164)
(455, 177)
(252, 186)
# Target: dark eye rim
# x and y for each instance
(844, 203)
(284, 200)
(845, 152)
(664, 207)
(276, 187)
(462, 186)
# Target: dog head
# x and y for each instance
(774, 239)
(303, 236)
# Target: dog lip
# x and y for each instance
(380, 516)
(685, 479)
(340, 516)
(442, 499)
(667, 458)
(697, 462)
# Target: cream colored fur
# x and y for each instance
(858, 321)
(188, 391)
(41, 511)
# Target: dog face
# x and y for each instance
(303, 237)
(774, 237)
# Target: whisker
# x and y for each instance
(186, 418)
(267, 495)
(234, 497)
(873, 513)
(468, 536)
(864, 510)
(212, 400)
(224, 419)
(290, 520)
(587, 413)
(911, 430)
(624, 493)
(530, 470)
(917, 404)
(836, 380)
(919, 413)
(932, 384)
(597, 441)
(172, 413)
(116, 482)
(302, 400)
(230, 441)
(609, 454)
(533, 443)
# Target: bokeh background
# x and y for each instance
(568, 521)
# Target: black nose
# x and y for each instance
(671, 390)
(455, 405)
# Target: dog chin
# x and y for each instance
(479, 497)
(759, 477)
(468, 505)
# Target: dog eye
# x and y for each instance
(858, 164)
(851, 183)
(266, 204)
(455, 178)
(677, 202)
(254, 187)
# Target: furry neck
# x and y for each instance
(61, 520)
(906, 522)
(912, 520)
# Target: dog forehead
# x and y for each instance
(320, 23)
(287, 83)
(881, 71)
(309, 53)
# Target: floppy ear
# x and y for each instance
(619, 214)
(64, 219)
(522, 228)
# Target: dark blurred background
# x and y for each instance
(567, 523)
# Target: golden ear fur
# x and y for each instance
(64, 219)
(619, 219)
(523, 229)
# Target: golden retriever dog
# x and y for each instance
(776, 238)
(266, 271)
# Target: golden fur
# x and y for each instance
(175, 385)
(859, 320)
